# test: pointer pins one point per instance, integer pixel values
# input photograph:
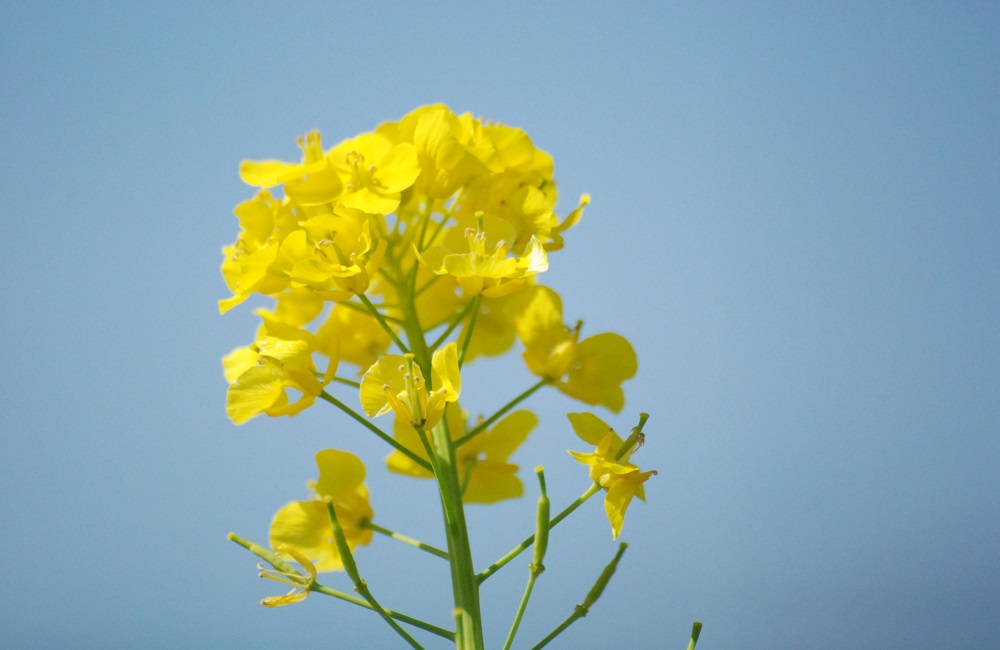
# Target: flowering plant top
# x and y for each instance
(394, 258)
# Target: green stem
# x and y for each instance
(520, 610)
(465, 588)
(479, 428)
(695, 633)
(347, 558)
(409, 620)
(633, 439)
(517, 550)
(595, 592)
(361, 309)
(347, 382)
(451, 328)
(477, 301)
(463, 574)
(404, 539)
(537, 567)
(374, 429)
(381, 321)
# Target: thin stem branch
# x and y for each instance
(347, 558)
(409, 620)
(404, 539)
(374, 429)
(517, 550)
(346, 382)
(479, 428)
(595, 592)
(381, 321)
(537, 563)
(451, 328)
(477, 301)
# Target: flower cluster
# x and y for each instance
(392, 259)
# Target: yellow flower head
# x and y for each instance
(374, 172)
(396, 383)
(478, 258)
(609, 466)
(314, 181)
(591, 370)
(305, 525)
(280, 359)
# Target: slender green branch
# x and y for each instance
(346, 382)
(595, 592)
(479, 428)
(427, 285)
(390, 277)
(477, 301)
(347, 558)
(409, 620)
(537, 566)
(381, 321)
(361, 309)
(404, 539)
(374, 429)
(438, 226)
(517, 550)
(451, 328)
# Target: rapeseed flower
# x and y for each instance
(591, 370)
(396, 383)
(609, 467)
(305, 525)
(280, 359)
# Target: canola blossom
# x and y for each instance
(392, 260)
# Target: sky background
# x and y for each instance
(794, 220)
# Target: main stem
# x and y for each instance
(468, 619)
(465, 586)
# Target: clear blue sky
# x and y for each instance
(794, 219)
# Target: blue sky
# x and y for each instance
(794, 220)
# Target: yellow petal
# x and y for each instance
(264, 173)
(255, 390)
(589, 427)
(492, 481)
(305, 525)
(446, 373)
(340, 473)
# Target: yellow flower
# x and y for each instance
(395, 382)
(622, 480)
(446, 149)
(314, 181)
(478, 258)
(305, 525)
(281, 358)
(301, 584)
(251, 263)
(483, 470)
(591, 370)
(374, 172)
(334, 255)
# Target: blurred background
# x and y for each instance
(794, 220)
